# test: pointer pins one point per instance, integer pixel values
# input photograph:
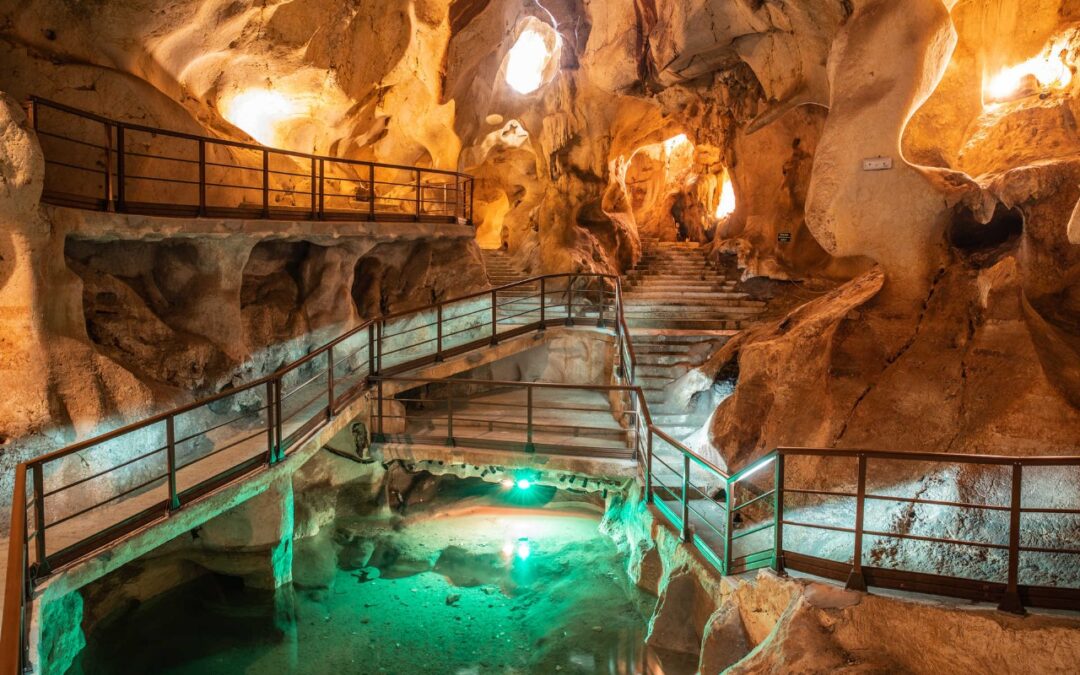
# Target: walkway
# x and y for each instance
(93, 162)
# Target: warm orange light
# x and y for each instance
(726, 207)
(676, 143)
(261, 113)
(1047, 71)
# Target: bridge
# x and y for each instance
(73, 504)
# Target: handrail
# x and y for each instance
(113, 192)
(701, 528)
(12, 630)
(579, 297)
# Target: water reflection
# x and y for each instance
(491, 591)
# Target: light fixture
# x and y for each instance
(507, 483)
(523, 548)
(524, 484)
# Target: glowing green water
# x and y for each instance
(511, 591)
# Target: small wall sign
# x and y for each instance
(783, 237)
(877, 164)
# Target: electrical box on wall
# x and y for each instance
(877, 164)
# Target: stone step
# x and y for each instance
(668, 372)
(712, 310)
(662, 297)
(743, 301)
(685, 324)
(653, 284)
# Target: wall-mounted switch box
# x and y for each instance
(877, 164)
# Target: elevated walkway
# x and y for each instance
(73, 509)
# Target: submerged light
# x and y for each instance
(524, 484)
(523, 548)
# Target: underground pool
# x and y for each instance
(481, 586)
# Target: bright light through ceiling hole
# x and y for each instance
(1048, 70)
(529, 58)
(726, 207)
(260, 112)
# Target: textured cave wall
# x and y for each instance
(964, 337)
(424, 83)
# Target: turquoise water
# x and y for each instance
(482, 590)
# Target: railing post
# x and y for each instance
(570, 302)
(472, 198)
(315, 206)
(322, 188)
(371, 203)
(170, 444)
(121, 171)
(271, 425)
(543, 294)
(438, 333)
(450, 416)
(618, 309)
(378, 346)
(648, 466)
(372, 345)
(418, 195)
(266, 184)
(380, 434)
(459, 208)
(1010, 601)
(330, 382)
(494, 317)
(778, 515)
(108, 167)
(729, 488)
(855, 581)
(603, 292)
(529, 445)
(202, 177)
(39, 522)
(279, 434)
(686, 498)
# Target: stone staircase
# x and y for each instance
(663, 358)
(502, 270)
(676, 287)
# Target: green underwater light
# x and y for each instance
(524, 484)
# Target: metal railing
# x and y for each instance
(70, 506)
(93, 162)
(739, 522)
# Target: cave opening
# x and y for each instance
(533, 58)
(980, 243)
(678, 190)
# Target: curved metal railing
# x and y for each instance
(64, 510)
(93, 162)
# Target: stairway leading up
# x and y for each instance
(675, 286)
